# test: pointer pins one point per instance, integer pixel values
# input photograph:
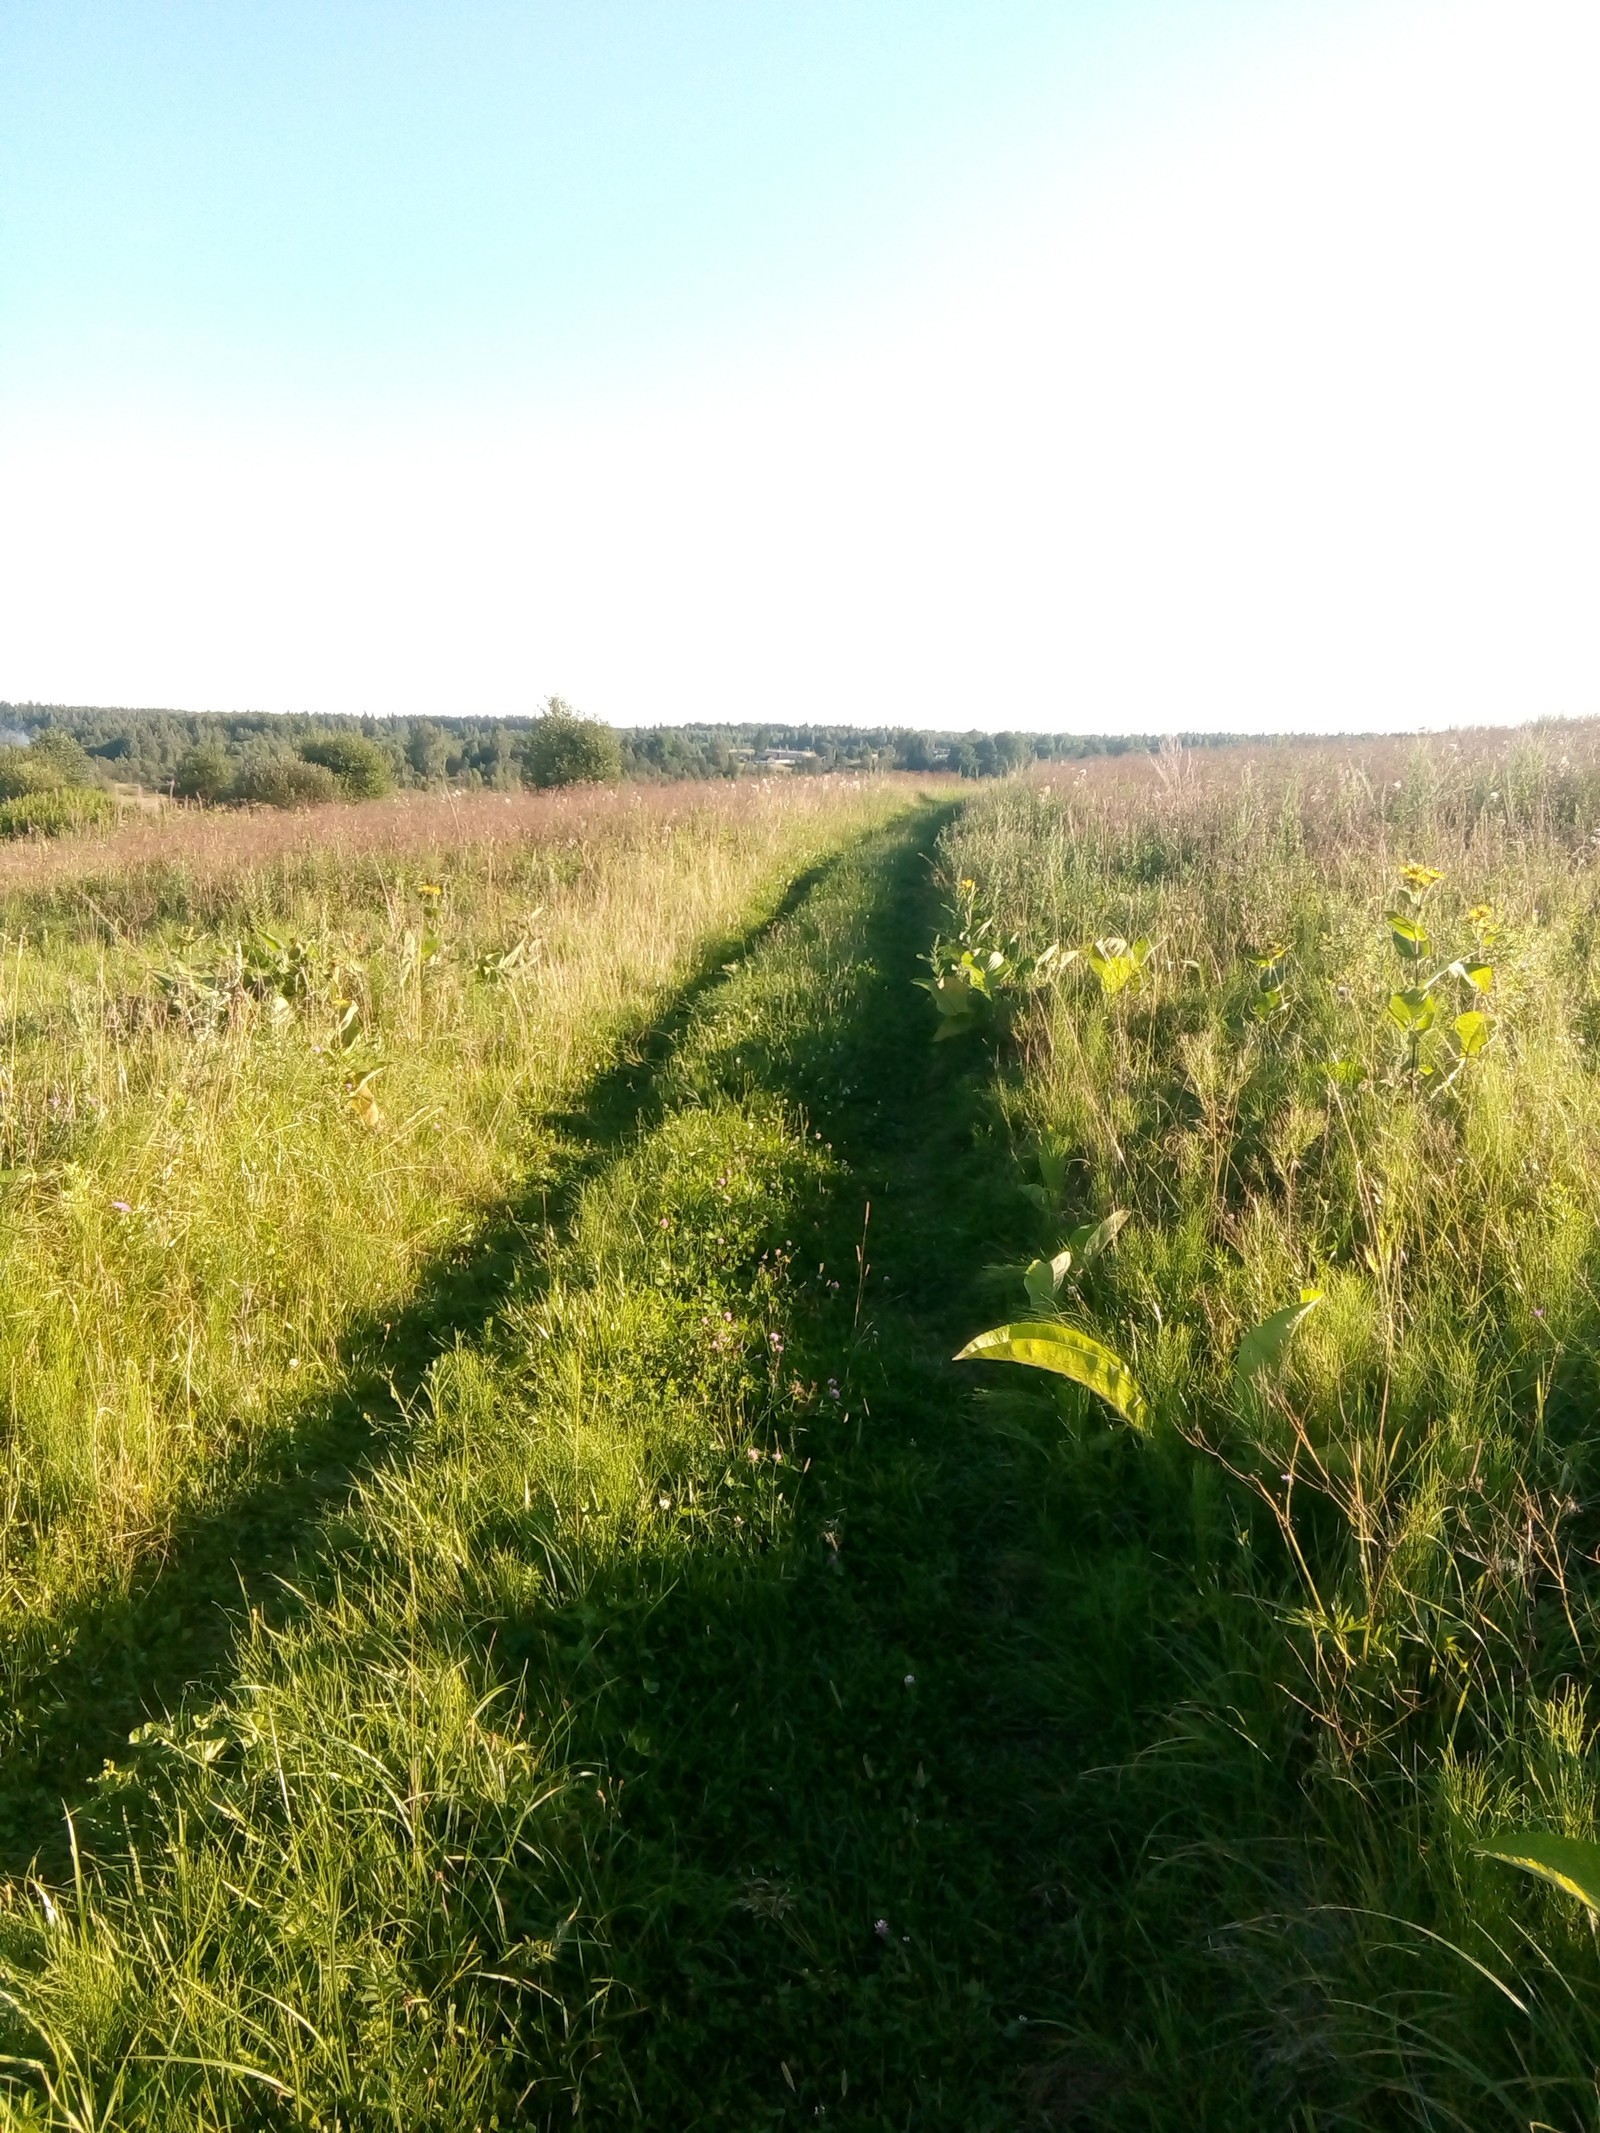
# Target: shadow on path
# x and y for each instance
(109, 1664)
(833, 1892)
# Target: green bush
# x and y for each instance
(48, 763)
(21, 772)
(56, 811)
(61, 753)
(286, 781)
(564, 749)
(362, 768)
(205, 774)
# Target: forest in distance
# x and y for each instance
(147, 747)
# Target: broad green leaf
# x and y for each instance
(1349, 1073)
(1111, 964)
(1473, 1031)
(957, 1004)
(1570, 1863)
(977, 977)
(1264, 1347)
(1116, 965)
(1089, 1241)
(1480, 976)
(1267, 957)
(1267, 1004)
(1043, 1279)
(1040, 1195)
(1053, 1166)
(951, 997)
(1069, 1354)
(1410, 938)
(1413, 1011)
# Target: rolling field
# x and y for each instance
(512, 1615)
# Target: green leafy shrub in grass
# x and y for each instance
(564, 749)
(1423, 1006)
(206, 774)
(286, 781)
(361, 768)
(978, 978)
(45, 788)
(56, 811)
(53, 759)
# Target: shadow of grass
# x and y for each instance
(94, 1672)
(831, 1884)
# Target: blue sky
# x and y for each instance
(1225, 363)
(321, 201)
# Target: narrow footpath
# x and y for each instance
(851, 1814)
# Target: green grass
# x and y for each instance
(1337, 1630)
(648, 1683)
(220, 1270)
(58, 812)
(659, 1730)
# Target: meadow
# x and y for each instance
(514, 1616)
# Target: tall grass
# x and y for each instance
(259, 1077)
(512, 1813)
(1374, 1575)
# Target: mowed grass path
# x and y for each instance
(667, 1733)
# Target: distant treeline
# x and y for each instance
(153, 748)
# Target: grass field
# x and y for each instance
(513, 1616)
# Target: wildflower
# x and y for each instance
(911, 1681)
(665, 1502)
(775, 1342)
(881, 1928)
(122, 1207)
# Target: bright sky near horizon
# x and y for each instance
(1096, 365)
